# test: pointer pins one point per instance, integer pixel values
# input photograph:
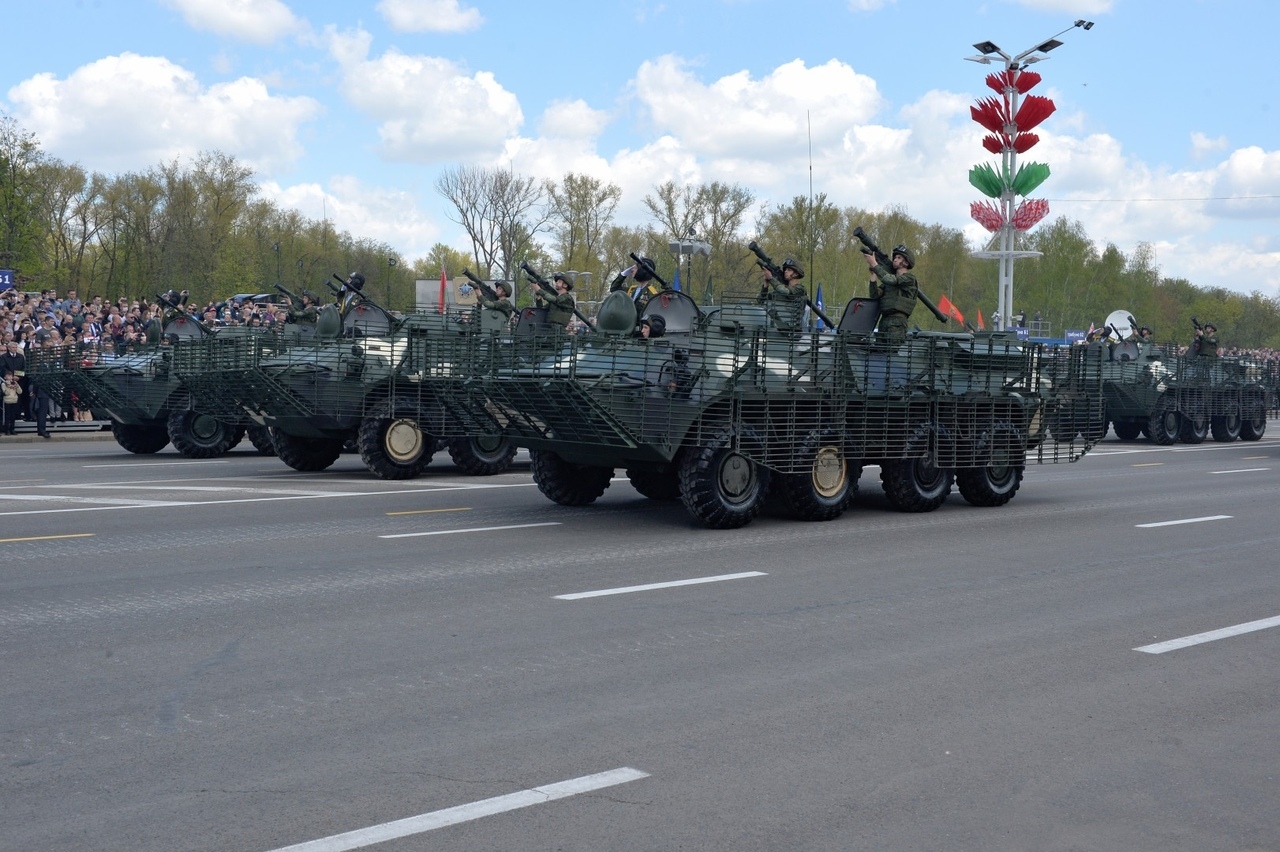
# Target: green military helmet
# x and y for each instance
(906, 255)
(310, 294)
(565, 277)
(502, 287)
(790, 263)
(1210, 327)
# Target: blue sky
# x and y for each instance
(1165, 131)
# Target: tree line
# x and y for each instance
(202, 226)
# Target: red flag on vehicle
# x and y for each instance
(945, 305)
(444, 282)
(982, 326)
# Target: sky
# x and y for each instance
(1166, 133)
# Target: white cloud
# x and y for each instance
(388, 215)
(429, 109)
(1202, 145)
(256, 21)
(1071, 7)
(442, 16)
(739, 116)
(131, 112)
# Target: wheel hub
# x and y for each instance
(403, 440)
(737, 475)
(829, 472)
(204, 428)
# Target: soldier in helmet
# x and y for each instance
(560, 306)
(308, 313)
(503, 303)
(1206, 342)
(789, 289)
(896, 288)
(652, 327)
(355, 282)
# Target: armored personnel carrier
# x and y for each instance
(1153, 390)
(148, 404)
(732, 406)
(362, 376)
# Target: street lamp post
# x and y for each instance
(989, 52)
(688, 247)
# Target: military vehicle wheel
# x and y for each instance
(1164, 424)
(260, 437)
(1194, 429)
(915, 483)
(1225, 428)
(995, 483)
(1127, 430)
(394, 447)
(199, 436)
(826, 489)
(141, 438)
(721, 487)
(1254, 423)
(567, 483)
(482, 455)
(306, 454)
(662, 482)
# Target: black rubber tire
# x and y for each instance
(394, 447)
(260, 437)
(824, 492)
(1193, 429)
(141, 438)
(199, 436)
(914, 483)
(721, 487)
(1225, 428)
(567, 483)
(482, 455)
(306, 454)
(1253, 424)
(661, 482)
(1127, 430)
(1164, 424)
(996, 482)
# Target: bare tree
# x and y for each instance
(501, 212)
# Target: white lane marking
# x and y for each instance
(153, 464)
(650, 586)
(88, 486)
(1241, 470)
(136, 504)
(1184, 521)
(1210, 636)
(465, 813)
(54, 498)
(472, 530)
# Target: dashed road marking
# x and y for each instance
(1210, 636)
(465, 813)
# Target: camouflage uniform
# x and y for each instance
(1207, 343)
(502, 305)
(307, 314)
(559, 307)
(897, 295)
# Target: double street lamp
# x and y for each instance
(688, 247)
(989, 52)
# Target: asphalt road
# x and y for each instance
(229, 655)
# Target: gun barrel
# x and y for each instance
(652, 271)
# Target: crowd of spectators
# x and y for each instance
(97, 329)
